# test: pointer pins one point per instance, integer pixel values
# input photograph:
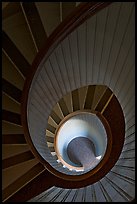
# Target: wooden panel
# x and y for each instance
(11, 73)
(90, 40)
(51, 128)
(82, 55)
(34, 22)
(103, 100)
(52, 122)
(9, 9)
(58, 111)
(63, 107)
(89, 97)
(9, 104)
(50, 70)
(14, 160)
(22, 181)
(10, 128)
(100, 32)
(127, 45)
(49, 14)
(17, 58)
(74, 56)
(126, 71)
(82, 96)
(67, 8)
(13, 139)
(99, 91)
(44, 180)
(11, 117)
(68, 100)
(9, 150)
(75, 100)
(121, 27)
(54, 63)
(52, 149)
(63, 69)
(50, 139)
(65, 44)
(11, 90)
(55, 117)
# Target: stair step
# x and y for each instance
(11, 117)
(14, 160)
(11, 90)
(34, 24)
(15, 55)
(13, 139)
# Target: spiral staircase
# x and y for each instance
(62, 59)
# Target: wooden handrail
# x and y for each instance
(80, 14)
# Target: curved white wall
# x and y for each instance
(82, 125)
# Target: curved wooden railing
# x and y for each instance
(83, 12)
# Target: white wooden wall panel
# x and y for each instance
(108, 41)
(68, 59)
(44, 102)
(130, 153)
(90, 38)
(88, 197)
(100, 32)
(100, 196)
(55, 82)
(42, 83)
(62, 195)
(58, 74)
(121, 27)
(81, 40)
(74, 53)
(79, 195)
(70, 197)
(50, 87)
(122, 184)
(50, 82)
(123, 172)
(126, 71)
(64, 71)
(125, 48)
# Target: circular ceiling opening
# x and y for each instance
(81, 141)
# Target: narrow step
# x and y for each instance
(34, 23)
(15, 55)
(14, 160)
(13, 139)
(11, 90)
(11, 117)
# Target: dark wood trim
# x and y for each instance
(13, 139)
(36, 186)
(19, 158)
(35, 23)
(21, 182)
(11, 117)
(11, 90)
(15, 55)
